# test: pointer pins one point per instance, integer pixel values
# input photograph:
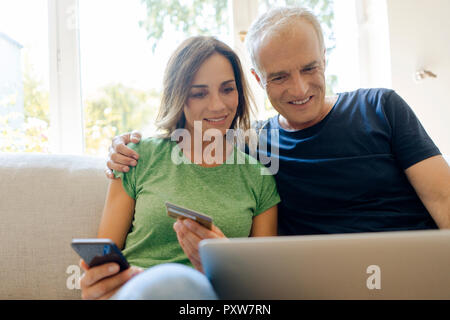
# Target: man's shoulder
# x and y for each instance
(367, 99)
(369, 94)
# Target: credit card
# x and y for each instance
(175, 212)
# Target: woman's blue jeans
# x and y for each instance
(169, 281)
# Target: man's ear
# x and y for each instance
(258, 79)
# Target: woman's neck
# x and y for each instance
(210, 153)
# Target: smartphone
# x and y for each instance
(176, 211)
(96, 252)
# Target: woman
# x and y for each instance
(204, 95)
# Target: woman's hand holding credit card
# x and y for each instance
(194, 228)
(176, 212)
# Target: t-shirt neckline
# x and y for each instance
(196, 166)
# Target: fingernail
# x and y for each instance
(187, 223)
(126, 169)
(113, 269)
(136, 156)
(133, 163)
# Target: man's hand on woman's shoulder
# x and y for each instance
(120, 156)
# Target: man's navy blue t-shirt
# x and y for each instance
(346, 173)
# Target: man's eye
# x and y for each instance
(309, 70)
(279, 79)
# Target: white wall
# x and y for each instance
(419, 32)
(373, 35)
(361, 58)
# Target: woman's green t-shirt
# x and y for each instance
(232, 194)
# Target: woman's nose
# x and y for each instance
(217, 103)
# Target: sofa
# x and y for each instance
(46, 200)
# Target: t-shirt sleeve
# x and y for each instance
(410, 142)
(128, 178)
(269, 194)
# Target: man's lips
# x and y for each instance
(301, 102)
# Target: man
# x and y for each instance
(357, 162)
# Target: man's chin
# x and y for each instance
(292, 121)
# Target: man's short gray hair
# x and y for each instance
(275, 20)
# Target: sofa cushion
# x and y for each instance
(46, 200)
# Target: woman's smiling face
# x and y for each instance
(213, 97)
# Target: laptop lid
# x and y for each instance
(382, 265)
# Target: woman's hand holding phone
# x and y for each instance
(102, 282)
(189, 234)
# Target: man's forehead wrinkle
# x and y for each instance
(297, 67)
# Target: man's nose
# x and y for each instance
(298, 86)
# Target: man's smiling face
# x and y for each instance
(292, 71)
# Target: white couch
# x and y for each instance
(46, 200)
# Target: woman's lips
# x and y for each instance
(216, 120)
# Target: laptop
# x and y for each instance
(381, 265)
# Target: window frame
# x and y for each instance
(66, 112)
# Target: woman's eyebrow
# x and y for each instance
(227, 82)
(206, 86)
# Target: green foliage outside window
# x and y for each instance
(116, 108)
(31, 131)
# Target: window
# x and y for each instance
(24, 76)
(75, 73)
(123, 57)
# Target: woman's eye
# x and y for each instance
(228, 89)
(197, 95)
